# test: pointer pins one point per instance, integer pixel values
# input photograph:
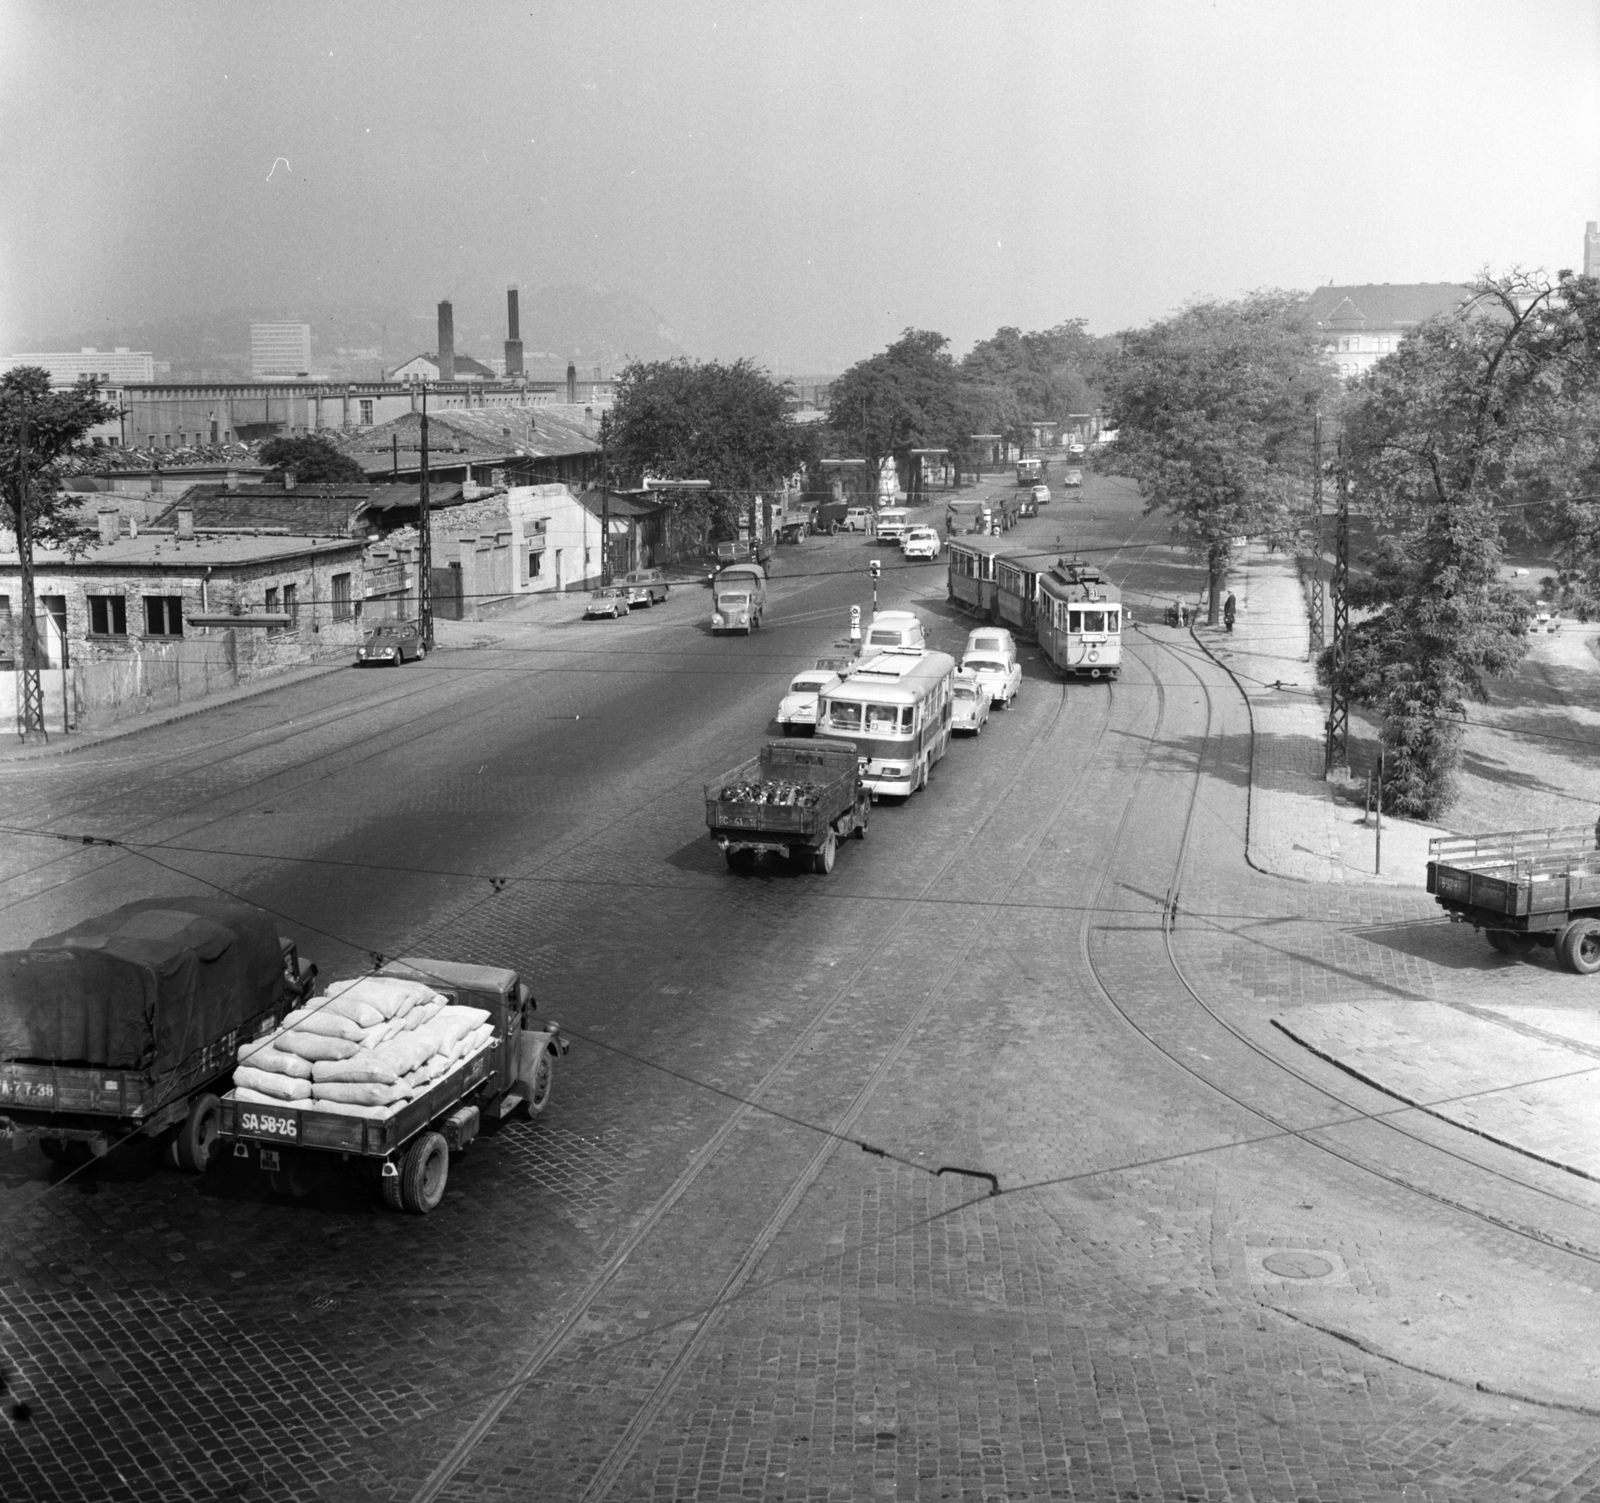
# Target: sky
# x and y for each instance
(794, 182)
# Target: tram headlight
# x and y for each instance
(1094, 657)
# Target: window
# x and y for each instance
(291, 607)
(108, 616)
(163, 615)
(533, 563)
(271, 605)
(843, 716)
(366, 412)
(341, 597)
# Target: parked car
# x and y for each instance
(645, 586)
(893, 629)
(969, 703)
(920, 542)
(856, 519)
(991, 639)
(611, 601)
(1073, 478)
(892, 523)
(797, 710)
(392, 642)
(999, 672)
(1040, 495)
(1075, 449)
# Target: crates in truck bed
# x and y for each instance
(800, 797)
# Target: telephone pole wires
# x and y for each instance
(1338, 750)
(30, 703)
(425, 538)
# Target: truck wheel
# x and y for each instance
(197, 1138)
(1510, 941)
(740, 861)
(544, 1079)
(423, 1172)
(822, 862)
(296, 1180)
(1579, 946)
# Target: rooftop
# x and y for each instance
(167, 552)
(1383, 305)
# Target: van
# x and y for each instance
(738, 598)
(893, 629)
(892, 523)
(645, 586)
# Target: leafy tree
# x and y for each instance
(57, 422)
(1490, 406)
(314, 459)
(704, 420)
(1048, 374)
(1213, 412)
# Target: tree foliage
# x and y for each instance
(57, 422)
(314, 459)
(1213, 415)
(1046, 375)
(903, 398)
(1473, 412)
(704, 420)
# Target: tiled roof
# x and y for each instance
(482, 434)
(1383, 305)
(618, 505)
(322, 510)
(166, 552)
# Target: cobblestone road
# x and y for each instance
(1191, 1287)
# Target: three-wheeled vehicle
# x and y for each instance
(408, 1150)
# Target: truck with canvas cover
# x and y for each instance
(388, 1074)
(1525, 888)
(799, 798)
(127, 1025)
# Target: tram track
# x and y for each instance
(1353, 1114)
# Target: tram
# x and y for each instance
(1080, 621)
(971, 562)
(896, 708)
(1016, 583)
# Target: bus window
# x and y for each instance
(843, 716)
(881, 720)
(1074, 620)
(907, 715)
(1094, 621)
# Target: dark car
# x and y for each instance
(645, 587)
(392, 642)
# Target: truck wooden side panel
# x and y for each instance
(1534, 879)
(833, 768)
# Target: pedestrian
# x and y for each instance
(1230, 609)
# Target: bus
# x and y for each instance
(1080, 621)
(896, 709)
(1030, 471)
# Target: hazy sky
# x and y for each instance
(796, 181)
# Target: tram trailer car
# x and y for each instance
(896, 709)
(971, 565)
(1080, 621)
(1017, 590)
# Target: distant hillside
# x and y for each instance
(589, 325)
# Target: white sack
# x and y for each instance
(278, 1061)
(280, 1087)
(363, 1066)
(315, 1046)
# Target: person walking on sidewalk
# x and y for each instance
(1230, 609)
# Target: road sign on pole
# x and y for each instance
(855, 623)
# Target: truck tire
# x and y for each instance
(197, 1137)
(296, 1179)
(822, 861)
(544, 1079)
(1579, 946)
(424, 1171)
(1510, 941)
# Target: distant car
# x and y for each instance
(645, 586)
(991, 639)
(1028, 507)
(892, 524)
(856, 519)
(969, 703)
(1075, 449)
(920, 542)
(611, 601)
(797, 710)
(1041, 495)
(890, 629)
(1073, 478)
(999, 672)
(392, 642)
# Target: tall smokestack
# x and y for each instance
(447, 342)
(513, 336)
(1591, 249)
(572, 383)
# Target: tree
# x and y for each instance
(57, 422)
(313, 458)
(1490, 406)
(704, 420)
(1213, 415)
(1049, 374)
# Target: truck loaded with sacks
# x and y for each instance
(386, 1074)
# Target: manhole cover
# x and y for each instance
(1297, 1265)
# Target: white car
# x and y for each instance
(1041, 494)
(798, 708)
(890, 630)
(988, 641)
(999, 672)
(969, 703)
(1073, 479)
(856, 519)
(1075, 450)
(920, 542)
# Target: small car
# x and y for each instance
(892, 524)
(645, 587)
(920, 542)
(890, 629)
(991, 639)
(392, 642)
(611, 601)
(797, 710)
(969, 703)
(856, 519)
(1073, 479)
(1040, 495)
(1028, 507)
(999, 672)
(1075, 449)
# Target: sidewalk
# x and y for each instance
(1298, 828)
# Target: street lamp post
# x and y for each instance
(605, 509)
(425, 538)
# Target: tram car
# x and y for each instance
(1079, 620)
(971, 562)
(1016, 582)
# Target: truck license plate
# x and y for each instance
(15, 1088)
(264, 1122)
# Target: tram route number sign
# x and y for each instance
(264, 1122)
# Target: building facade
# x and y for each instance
(109, 367)
(280, 349)
(1364, 323)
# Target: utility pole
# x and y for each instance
(1317, 626)
(31, 703)
(1338, 753)
(425, 539)
(605, 510)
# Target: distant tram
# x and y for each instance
(971, 563)
(1079, 616)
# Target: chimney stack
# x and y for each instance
(186, 523)
(513, 337)
(232, 480)
(1591, 249)
(447, 342)
(288, 480)
(110, 525)
(572, 384)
